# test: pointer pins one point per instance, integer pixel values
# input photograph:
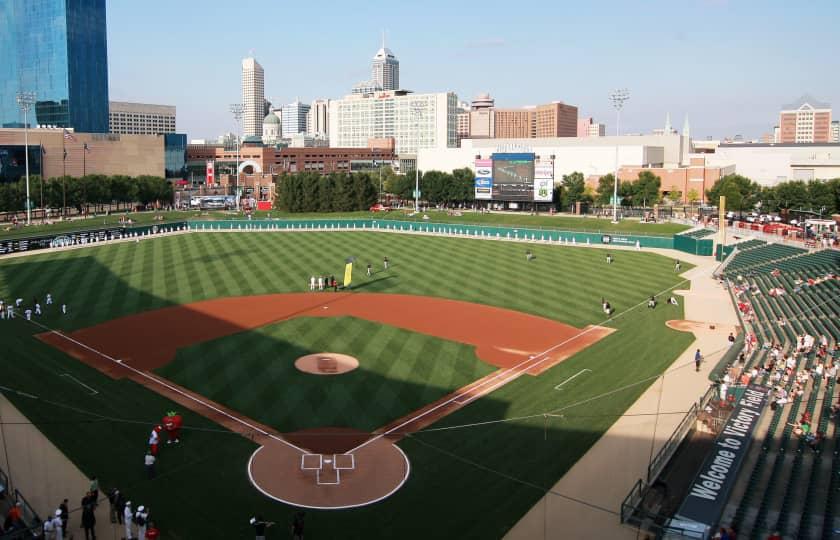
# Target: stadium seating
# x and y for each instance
(789, 480)
(699, 233)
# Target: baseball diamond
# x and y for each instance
(456, 332)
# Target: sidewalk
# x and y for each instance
(605, 474)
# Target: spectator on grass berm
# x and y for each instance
(260, 525)
(149, 462)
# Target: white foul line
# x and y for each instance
(92, 391)
(572, 377)
(504, 372)
(170, 387)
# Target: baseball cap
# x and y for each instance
(141, 508)
(253, 520)
(58, 513)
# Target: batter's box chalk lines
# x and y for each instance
(170, 387)
(581, 372)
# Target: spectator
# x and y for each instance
(297, 525)
(65, 517)
(116, 503)
(260, 525)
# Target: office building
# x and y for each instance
(835, 131)
(514, 123)
(57, 50)
(587, 127)
(385, 70)
(52, 154)
(805, 121)
(140, 118)
(413, 120)
(317, 119)
(555, 119)
(294, 118)
(253, 98)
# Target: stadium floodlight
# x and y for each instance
(25, 101)
(416, 112)
(618, 98)
(237, 109)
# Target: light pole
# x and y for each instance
(237, 109)
(416, 111)
(25, 101)
(617, 97)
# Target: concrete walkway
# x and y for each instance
(605, 474)
(45, 476)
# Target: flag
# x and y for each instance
(86, 148)
(65, 154)
(68, 136)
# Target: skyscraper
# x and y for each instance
(253, 97)
(56, 49)
(385, 70)
(318, 118)
(294, 118)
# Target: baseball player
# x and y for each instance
(49, 299)
(385, 262)
(311, 283)
(368, 270)
(154, 440)
(140, 518)
(609, 259)
(28, 314)
(37, 309)
(18, 302)
(64, 309)
(320, 283)
(128, 515)
(10, 311)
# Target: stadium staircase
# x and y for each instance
(784, 484)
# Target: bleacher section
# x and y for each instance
(722, 252)
(751, 258)
(789, 482)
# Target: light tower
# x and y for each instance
(25, 101)
(237, 109)
(618, 98)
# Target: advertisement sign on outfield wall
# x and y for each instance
(211, 173)
(484, 179)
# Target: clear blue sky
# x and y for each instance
(728, 64)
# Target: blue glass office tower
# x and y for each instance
(58, 50)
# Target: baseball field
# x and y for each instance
(479, 377)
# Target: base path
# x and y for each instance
(326, 468)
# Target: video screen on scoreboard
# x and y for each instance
(513, 177)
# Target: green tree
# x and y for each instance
(605, 189)
(646, 189)
(693, 196)
(574, 190)
(625, 192)
(674, 196)
(741, 193)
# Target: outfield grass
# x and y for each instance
(457, 476)
(558, 221)
(399, 372)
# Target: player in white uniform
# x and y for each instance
(28, 313)
(49, 299)
(128, 514)
(18, 302)
(64, 308)
(37, 309)
(311, 283)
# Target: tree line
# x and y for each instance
(79, 193)
(742, 194)
(334, 192)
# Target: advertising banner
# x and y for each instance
(543, 181)
(211, 173)
(711, 487)
(484, 179)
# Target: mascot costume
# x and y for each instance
(172, 424)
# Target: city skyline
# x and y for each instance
(709, 59)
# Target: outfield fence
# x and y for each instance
(445, 229)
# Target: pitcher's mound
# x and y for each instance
(326, 363)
